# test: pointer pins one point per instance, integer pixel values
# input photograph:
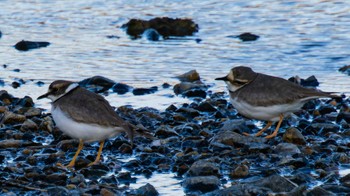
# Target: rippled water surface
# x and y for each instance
(297, 37)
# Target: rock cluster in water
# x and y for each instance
(201, 142)
(160, 26)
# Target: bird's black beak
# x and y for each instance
(43, 96)
(222, 78)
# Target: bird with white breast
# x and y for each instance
(85, 116)
(268, 98)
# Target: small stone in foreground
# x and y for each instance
(147, 190)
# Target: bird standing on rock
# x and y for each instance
(84, 115)
(268, 98)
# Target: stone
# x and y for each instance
(151, 34)
(144, 91)
(239, 189)
(203, 168)
(29, 125)
(183, 87)
(11, 143)
(28, 45)
(101, 81)
(235, 139)
(240, 171)
(345, 69)
(190, 76)
(287, 149)
(247, 37)
(293, 135)
(147, 190)
(121, 88)
(12, 118)
(58, 190)
(276, 183)
(201, 183)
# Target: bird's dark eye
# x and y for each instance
(54, 90)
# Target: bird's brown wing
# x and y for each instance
(268, 90)
(83, 105)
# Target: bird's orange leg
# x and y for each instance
(274, 134)
(98, 157)
(269, 123)
(72, 163)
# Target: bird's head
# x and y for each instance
(238, 77)
(58, 88)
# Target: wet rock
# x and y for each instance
(343, 116)
(235, 139)
(239, 189)
(345, 69)
(188, 112)
(326, 109)
(190, 76)
(29, 125)
(58, 190)
(125, 177)
(31, 112)
(240, 171)
(308, 82)
(125, 148)
(26, 102)
(93, 173)
(323, 128)
(164, 26)
(15, 84)
(186, 86)
(101, 81)
(293, 135)
(276, 183)
(11, 143)
(165, 132)
(151, 34)
(287, 149)
(5, 97)
(147, 190)
(12, 118)
(235, 125)
(58, 179)
(318, 191)
(201, 183)
(195, 93)
(107, 192)
(247, 37)
(66, 145)
(28, 45)
(144, 91)
(121, 88)
(203, 168)
(205, 107)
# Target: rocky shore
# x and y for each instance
(201, 142)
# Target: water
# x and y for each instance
(297, 37)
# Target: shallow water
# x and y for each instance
(297, 37)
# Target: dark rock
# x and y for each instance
(345, 69)
(58, 190)
(121, 88)
(147, 190)
(293, 135)
(318, 191)
(144, 91)
(235, 139)
(235, 125)
(125, 177)
(205, 107)
(66, 145)
(188, 112)
(343, 116)
(112, 37)
(40, 83)
(323, 128)
(165, 132)
(107, 192)
(6, 98)
(247, 37)
(151, 34)
(2, 82)
(31, 112)
(186, 86)
(101, 81)
(239, 189)
(326, 109)
(201, 183)
(287, 149)
(203, 168)
(276, 183)
(125, 148)
(58, 179)
(195, 93)
(166, 85)
(16, 70)
(92, 173)
(29, 125)
(190, 76)
(27, 45)
(15, 84)
(26, 102)
(240, 171)
(12, 118)
(164, 26)
(11, 143)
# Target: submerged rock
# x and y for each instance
(201, 183)
(28, 45)
(247, 37)
(147, 190)
(164, 26)
(345, 69)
